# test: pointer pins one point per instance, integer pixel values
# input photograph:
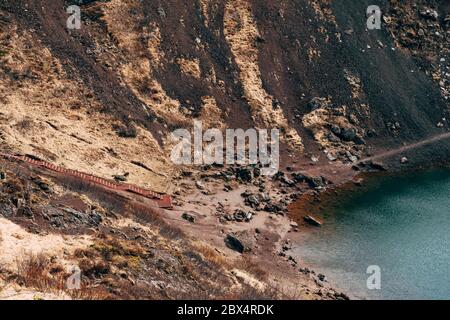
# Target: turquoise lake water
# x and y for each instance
(401, 224)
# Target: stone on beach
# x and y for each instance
(312, 221)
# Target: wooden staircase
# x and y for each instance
(163, 200)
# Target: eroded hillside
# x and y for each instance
(146, 67)
(104, 100)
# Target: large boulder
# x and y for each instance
(313, 182)
(241, 241)
(348, 134)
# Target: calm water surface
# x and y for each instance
(400, 224)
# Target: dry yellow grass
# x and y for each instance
(190, 67)
(212, 255)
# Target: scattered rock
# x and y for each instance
(252, 201)
(43, 185)
(95, 218)
(260, 39)
(25, 211)
(161, 12)
(188, 217)
(240, 215)
(330, 157)
(120, 178)
(429, 14)
(264, 197)
(292, 260)
(245, 174)
(294, 225)
(274, 208)
(341, 296)
(287, 245)
(317, 103)
(348, 32)
(351, 157)
(287, 181)
(255, 200)
(6, 209)
(199, 185)
(186, 173)
(304, 270)
(66, 218)
(348, 134)
(371, 165)
(333, 138)
(312, 221)
(404, 160)
(314, 182)
(275, 103)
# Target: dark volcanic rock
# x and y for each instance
(287, 181)
(44, 186)
(241, 241)
(245, 174)
(317, 103)
(314, 182)
(66, 218)
(312, 221)
(240, 215)
(6, 209)
(188, 217)
(371, 166)
(274, 208)
(252, 201)
(429, 14)
(120, 178)
(25, 211)
(348, 134)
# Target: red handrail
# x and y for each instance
(163, 200)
